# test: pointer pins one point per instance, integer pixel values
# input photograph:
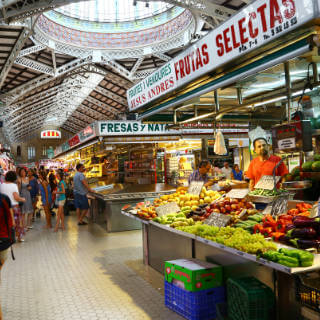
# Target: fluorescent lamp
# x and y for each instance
(199, 117)
(269, 101)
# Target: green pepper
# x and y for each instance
(289, 261)
(303, 256)
(272, 255)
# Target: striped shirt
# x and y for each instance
(197, 176)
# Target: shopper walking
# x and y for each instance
(46, 199)
(34, 191)
(10, 189)
(61, 197)
(80, 190)
(26, 208)
(53, 186)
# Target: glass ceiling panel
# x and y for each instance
(113, 10)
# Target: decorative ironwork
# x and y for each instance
(24, 35)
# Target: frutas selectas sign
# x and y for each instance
(253, 27)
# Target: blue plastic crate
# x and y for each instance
(200, 305)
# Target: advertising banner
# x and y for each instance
(256, 25)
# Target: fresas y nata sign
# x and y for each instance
(50, 134)
(123, 128)
(256, 25)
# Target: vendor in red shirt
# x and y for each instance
(264, 163)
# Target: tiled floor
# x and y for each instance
(82, 273)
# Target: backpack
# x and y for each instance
(10, 239)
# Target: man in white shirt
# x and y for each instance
(226, 170)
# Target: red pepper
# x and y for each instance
(267, 231)
(257, 228)
(281, 226)
(269, 222)
(276, 236)
(285, 217)
(304, 214)
(294, 212)
(306, 205)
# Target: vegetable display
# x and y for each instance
(292, 258)
(265, 193)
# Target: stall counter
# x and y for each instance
(110, 199)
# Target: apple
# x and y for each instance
(234, 206)
(228, 207)
(238, 212)
(216, 210)
(226, 202)
(234, 201)
(222, 210)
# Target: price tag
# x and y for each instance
(171, 207)
(195, 187)
(267, 182)
(279, 205)
(218, 220)
(237, 193)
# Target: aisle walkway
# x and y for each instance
(82, 273)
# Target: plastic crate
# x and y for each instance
(306, 294)
(249, 299)
(199, 305)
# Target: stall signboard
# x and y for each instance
(195, 187)
(256, 25)
(65, 147)
(50, 134)
(125, 128)
(87, 133)
(170, 207)
(137, 128)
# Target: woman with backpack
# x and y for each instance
(61, 197)
(46, 199)
(10, 189)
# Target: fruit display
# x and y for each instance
(237, 238)
(147, 213)
(231, 206)
(292, 258)
(182, 198)
(175, 220)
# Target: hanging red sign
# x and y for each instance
(50, 134)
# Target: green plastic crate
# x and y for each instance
(249, 299)
(194, 275)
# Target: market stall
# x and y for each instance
(255, 68)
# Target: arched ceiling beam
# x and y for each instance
(24, 35)
(33, 49)
(35, 65)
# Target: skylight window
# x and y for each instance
(113, 10)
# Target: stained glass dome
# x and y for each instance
(113, 10)
(115, 25)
